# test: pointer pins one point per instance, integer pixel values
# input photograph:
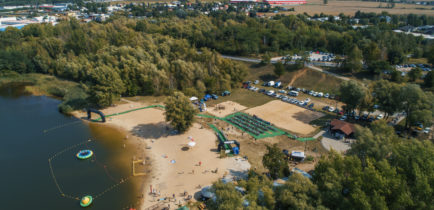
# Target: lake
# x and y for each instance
(27, 181)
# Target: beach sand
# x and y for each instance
(225, 108)
(287, 116)
(174, 168)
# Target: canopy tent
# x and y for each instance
(191, 144)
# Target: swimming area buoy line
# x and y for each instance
(87, 199)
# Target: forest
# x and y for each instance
(179, 50)
(380, 171)
(113, 59)
(232, 32)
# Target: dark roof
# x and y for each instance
(344, 127)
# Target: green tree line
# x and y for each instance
(116, 59)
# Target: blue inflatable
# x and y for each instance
(84, 154)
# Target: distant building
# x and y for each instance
(285, 2)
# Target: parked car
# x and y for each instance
(326, 95)
(293, 93)
(256, 82)
(282, 91)
(307, 100)
(426, 130)
(262, 91)
(331, 109)
(325, 108)
(214, 96)
(344, 117)
(379, 117)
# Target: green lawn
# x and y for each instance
(303, 78)
(244, 97)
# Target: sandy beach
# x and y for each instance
(177, 170)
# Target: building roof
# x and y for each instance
(344, 127)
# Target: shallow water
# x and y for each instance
(25, 148)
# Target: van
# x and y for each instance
(293, 93)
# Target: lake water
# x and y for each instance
(26, 180)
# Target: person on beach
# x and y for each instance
(200, 163)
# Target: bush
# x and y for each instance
(64, 108)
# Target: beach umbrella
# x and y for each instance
(191, 144)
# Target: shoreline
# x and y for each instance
(176, 172)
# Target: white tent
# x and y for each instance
(194, 98)
(191, 144)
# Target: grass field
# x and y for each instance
(351, 7)
(335, 7)
(303, 78)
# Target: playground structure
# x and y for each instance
(225, 144)
(89, 114)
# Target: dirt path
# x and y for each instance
(296, 76)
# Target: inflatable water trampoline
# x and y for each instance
(84, 154)
(86, 201)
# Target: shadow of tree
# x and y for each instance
(267, 77)
(152, 131)
(307, 116)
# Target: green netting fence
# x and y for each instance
(131, 110)
(268, 133)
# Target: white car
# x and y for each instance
(380, 116)
(320, 94)
(256, 82)
(314, 94)
(426, 130)
(326, 95)
(282, 91)
(343, 118)
(307, 100)
(331, 109)
(277, 96)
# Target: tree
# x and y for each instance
(179, 112)
(413, 99)
(428, 81)
(227, 197)
(386, 95)
(298, 193)
(279, 69)
(266, 58)
(352, 94)
(353, 62)
(431, 55)
(274, 160)
(414, 74)
(377, 67)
